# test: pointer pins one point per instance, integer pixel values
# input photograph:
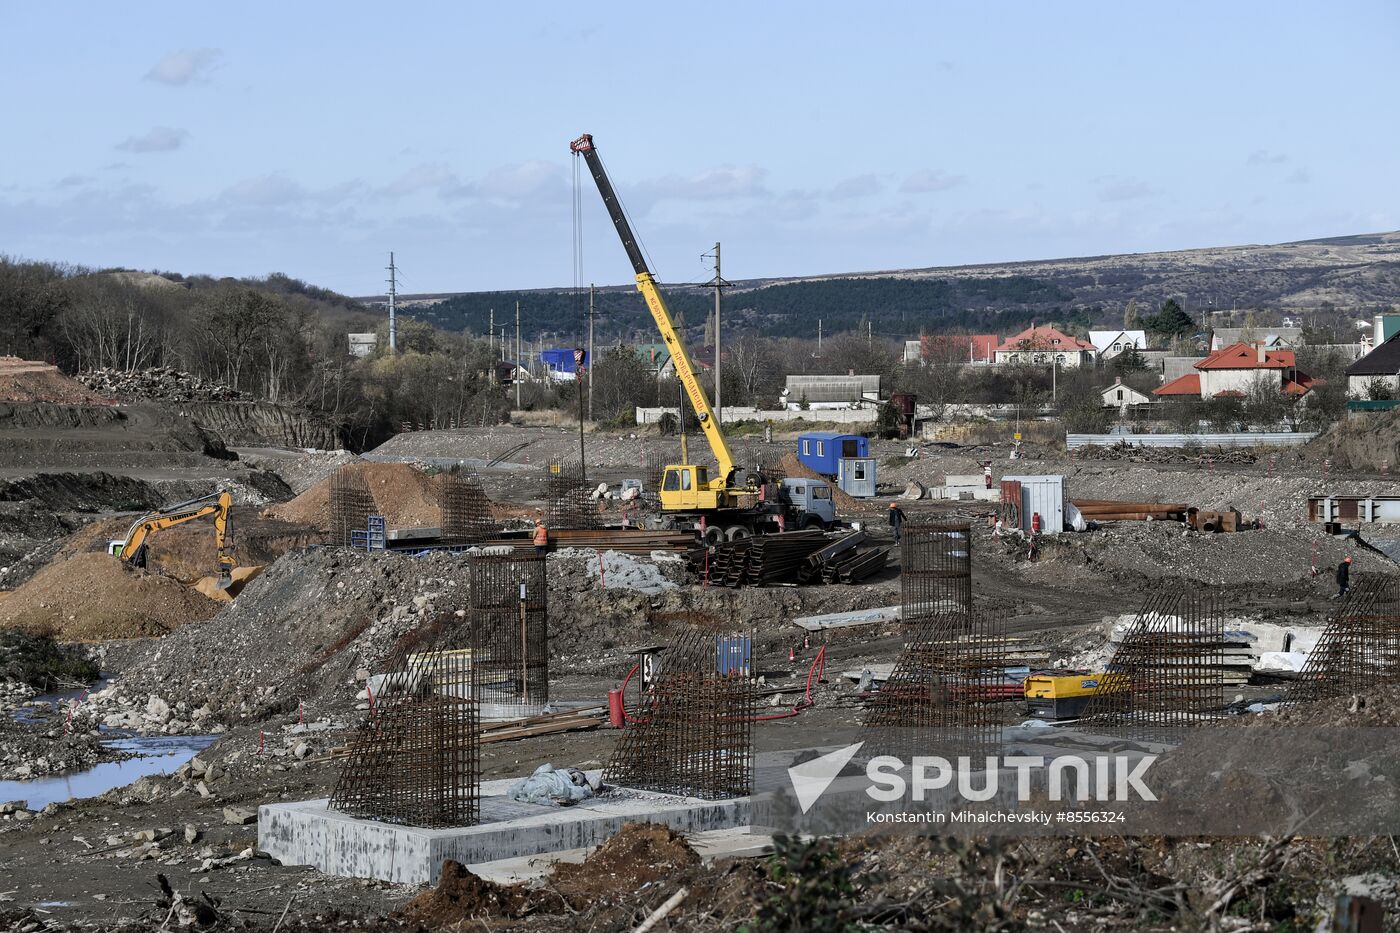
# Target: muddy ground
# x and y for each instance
(278, 674)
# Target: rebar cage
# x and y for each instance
(509, 611)
(464, 511)
(935, 569)
(567, 497)
(941, 698)
(693, 736)
(416, 757)
(351, 505)
(1168, 672)
(1359, 649)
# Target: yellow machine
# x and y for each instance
(728, 499)
(1065, 694)
(132, 549)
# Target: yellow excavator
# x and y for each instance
(730, 502)
(132, 549)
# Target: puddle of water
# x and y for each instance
(32, 714)
(159, 754)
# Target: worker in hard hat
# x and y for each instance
(541, 539)
(896, 519)
(1343, 577)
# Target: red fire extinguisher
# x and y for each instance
(1035, 523)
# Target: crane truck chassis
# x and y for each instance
(731, 502)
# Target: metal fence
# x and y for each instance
(1246, 439)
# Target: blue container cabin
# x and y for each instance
(822, 451)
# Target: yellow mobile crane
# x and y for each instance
(730, 502)
(132, 549)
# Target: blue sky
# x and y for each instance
(312, 138)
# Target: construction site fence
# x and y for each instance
(735, 413)
(1265, 439)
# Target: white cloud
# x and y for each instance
(1265, 157)
(264, 191)
(729, 181)
(156, 139)
(186, 66)
(429, 175)
(927, 180)
(1300, 176)
(858, 186)
(1126, 189)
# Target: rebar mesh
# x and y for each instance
(567, 501)
(1169, 670)
(693, 736)
(350, 505)
(941, 696)
(653, 467)
(416, 757)
(508, 610)
(935, 569)
(1360, 648)
(464, 510)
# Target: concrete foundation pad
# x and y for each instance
(309, 833)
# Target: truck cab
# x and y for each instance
(687, 487)
(810, 500)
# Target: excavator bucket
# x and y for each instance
(225, 580)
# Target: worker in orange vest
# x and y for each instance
(541, 539)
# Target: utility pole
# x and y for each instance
(590, 352)
(491, 335)
(819, 336)
(393, 294)
(517, 355)
(718, 284)
(868, 337)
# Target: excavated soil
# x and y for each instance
(32, 381)
(640, 854)
(404, 495)
(95, 597)
(461, 896)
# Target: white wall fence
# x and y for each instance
(1247, 439)
(735, 413)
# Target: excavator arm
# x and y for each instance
(219, 505)
(646, 284)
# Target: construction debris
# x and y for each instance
(161, 383)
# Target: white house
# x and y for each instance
(1234, 370)
(1110, 343)
(1271, 337)
(362, 345)
(1123, 397)
(1043, 345)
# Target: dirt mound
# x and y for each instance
(845, 504)
(461, 895)
(404, 495)
(1367, 443)
(95, 597)
(31, 381)
(640, 854)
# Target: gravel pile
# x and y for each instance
(162, 384)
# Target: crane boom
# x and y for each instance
(646, 284)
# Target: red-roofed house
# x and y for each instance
(1231, 371)
(959, 348)
(1045, 344)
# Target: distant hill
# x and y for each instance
(1356, 273)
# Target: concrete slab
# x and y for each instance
(309, 833)
(847, 619)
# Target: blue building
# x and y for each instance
(559, 362)
(822, 451)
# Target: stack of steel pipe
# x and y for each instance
(1111, 510)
